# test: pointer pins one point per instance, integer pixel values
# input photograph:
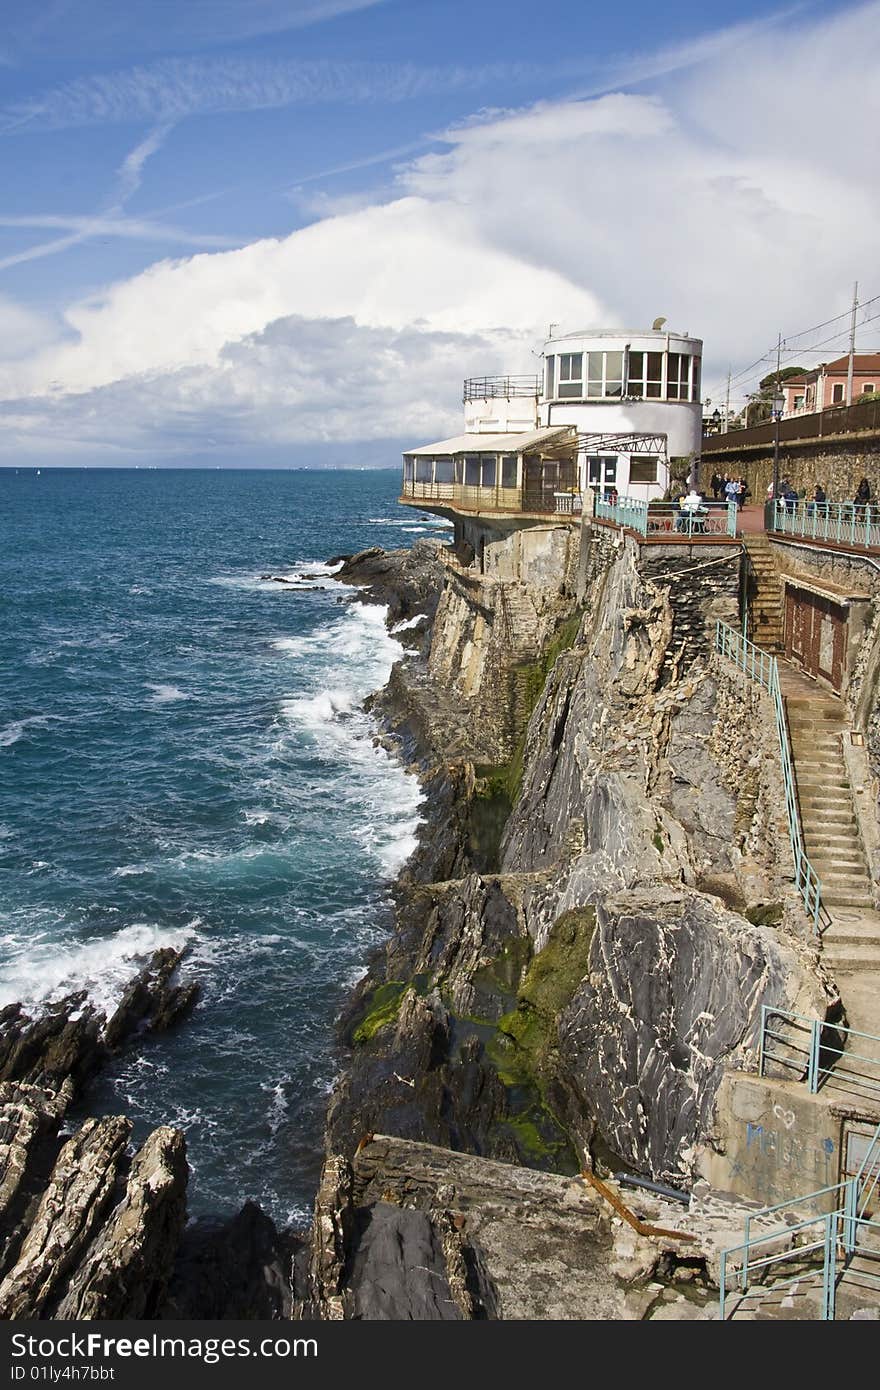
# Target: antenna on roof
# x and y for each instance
(657, 325)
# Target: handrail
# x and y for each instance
(760, 666)
(626, 511)
(842, 1226)
(846, 523)
(815, 1048)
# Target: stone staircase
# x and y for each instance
(831, 836)
(765, 594)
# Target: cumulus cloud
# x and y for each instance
(297, 384)
(736, 201)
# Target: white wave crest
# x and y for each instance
(36, 972)
(166, 694)
(16, 730)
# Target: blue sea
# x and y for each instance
(184, 760)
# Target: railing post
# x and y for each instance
(744, 1272)
(850, 1207)
(722, 1286)
(813, 1068)
(829, 1269)
(761, 1044)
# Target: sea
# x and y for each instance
(185, 761)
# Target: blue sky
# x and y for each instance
(207, 203)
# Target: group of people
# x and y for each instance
(791, 497)
(728, 489)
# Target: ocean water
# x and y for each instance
(184, 760)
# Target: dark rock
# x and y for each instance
(237, 1269)
(398, 1268)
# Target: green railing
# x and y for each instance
(760, 666)
(841, 523)
(810, 1047)
(626, 511)
(832, 1235)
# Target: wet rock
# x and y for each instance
(70, 1038)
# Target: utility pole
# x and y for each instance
(852, 345)
(726, 426)
(776, 414)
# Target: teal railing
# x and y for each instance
(661, 517)
(760, 666)
(830, 1236)
(809, 1047)
(626, 511)
(846, 523)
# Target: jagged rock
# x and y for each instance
(235, 1269)
(128, 1266)
(30, 1117)
(151, 1000)
(72, 1039)
(408, 581)
(67, 1219)
(63, 1041)
(674, 992)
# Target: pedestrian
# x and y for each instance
(716, 484)
(863, 493)
(742, 493)
(731, 489)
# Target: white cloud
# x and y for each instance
(736, 201)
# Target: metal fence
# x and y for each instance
(841, 523)
(760, 666)
(861, 418)
(708, 520)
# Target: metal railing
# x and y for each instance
(841, 523)
(625, 511)
(833, 1234)
(482, 388)
(812, 1051)
(708, 520)
(760, 666)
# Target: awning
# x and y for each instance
(519, 443)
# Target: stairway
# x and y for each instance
(765, 594)
(831, 837)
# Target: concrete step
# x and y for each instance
(836, 897)
(831, 797)
(812, 777)
(829, 865)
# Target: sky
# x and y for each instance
(281, 232)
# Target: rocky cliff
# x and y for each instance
(599, 904)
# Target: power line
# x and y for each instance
(789, 338)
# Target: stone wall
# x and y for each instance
(839, 467)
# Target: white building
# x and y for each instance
(607, 383)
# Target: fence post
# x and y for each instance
(761, 1045)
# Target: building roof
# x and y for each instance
(864, 363)
(518, 443)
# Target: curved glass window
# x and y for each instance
(645, 376)
(443, 470)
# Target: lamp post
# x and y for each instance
(778, 407)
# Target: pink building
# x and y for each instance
(825, 385)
